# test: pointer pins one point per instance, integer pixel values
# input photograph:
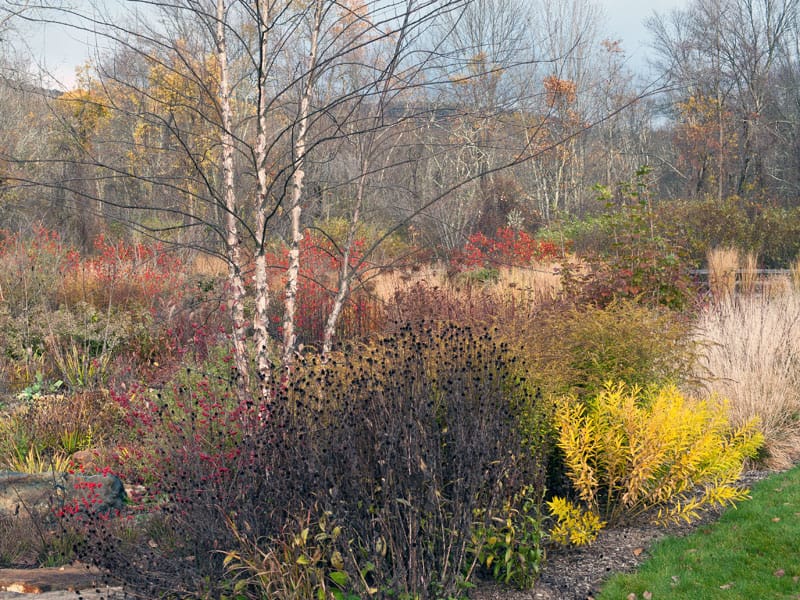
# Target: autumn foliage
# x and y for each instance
(508, 248)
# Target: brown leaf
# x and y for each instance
(647, 595)
(637, 551)
(779, 573)
(631, 596)
(775, 519)
(727, 586)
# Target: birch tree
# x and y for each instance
(248, 79)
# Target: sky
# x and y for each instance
(625, 22)
(61, 51)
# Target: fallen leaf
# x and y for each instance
(647, 595)
(727, 586)
(775, 519)
(779, 573)
(675, 580)
(637, 551)
(631, 596)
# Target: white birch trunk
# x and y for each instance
(345, 274)
(300, 144)
(262, 291)
(235, 300)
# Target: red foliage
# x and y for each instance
(134, 273)
(320, 264)
(508, 248)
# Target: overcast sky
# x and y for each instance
(62, 51)
(625, 21)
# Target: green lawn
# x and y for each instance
(751, 553)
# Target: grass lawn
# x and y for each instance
(752, 552)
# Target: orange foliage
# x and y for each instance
(560, 91)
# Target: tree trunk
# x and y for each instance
(293, 272)
(233, 244)
(262, 299)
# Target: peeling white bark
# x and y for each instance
(236, 294)
(298, 174)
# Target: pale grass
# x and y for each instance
(534, 285)
(541, 282)
(208, 266)
(750, 355)
(794, 270)
(748, 272)
(386, 284)
(722, 266)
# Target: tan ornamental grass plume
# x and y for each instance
(722, 266)
(750, 355)
(794, 270)
(748, 272)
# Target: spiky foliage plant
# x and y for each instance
(662, 454)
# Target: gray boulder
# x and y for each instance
(51, 492)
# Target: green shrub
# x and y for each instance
(777, 236)
(661, 454)
(509, 546)
(637, 261)
(700, 225)
(576, 350)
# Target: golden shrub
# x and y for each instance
(628, 453)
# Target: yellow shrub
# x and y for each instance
(629, 453)
(574, 526)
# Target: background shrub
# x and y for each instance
(575, 350)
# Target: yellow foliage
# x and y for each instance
(629, 453)
(574, 525)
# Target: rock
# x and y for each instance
(56, 583)
(44, 492)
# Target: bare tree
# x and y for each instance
(233, 91)
(724, 53)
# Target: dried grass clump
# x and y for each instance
(748, 272)
(794, 270)
(510, 302)
(722, 266)
(206, 265)
(751, 356)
